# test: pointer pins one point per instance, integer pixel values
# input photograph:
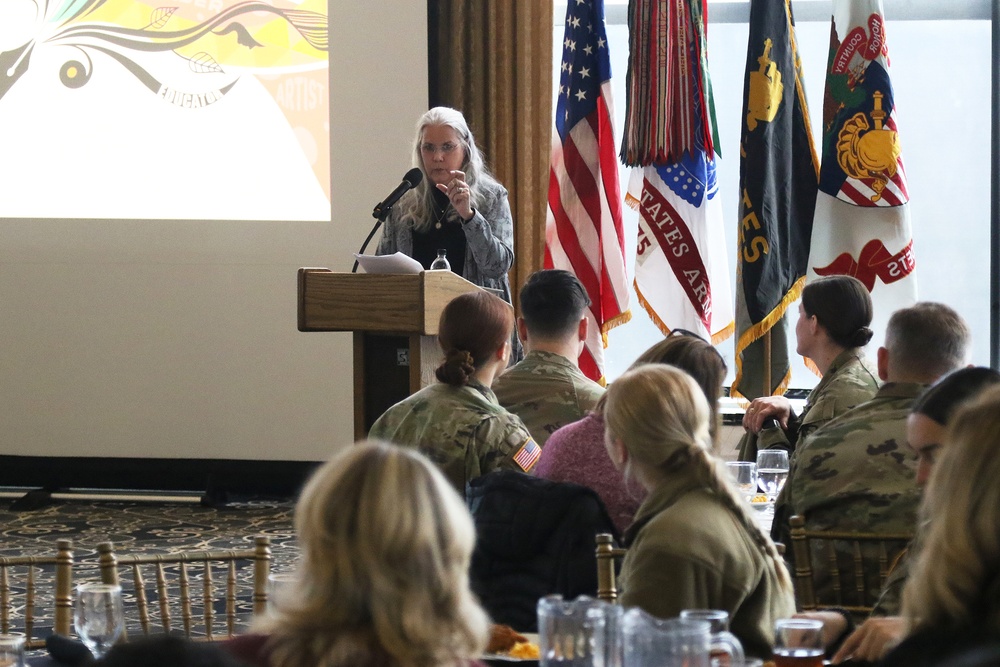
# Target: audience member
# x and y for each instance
(925, 430)
(547, 389)
(951, 601)
(855, 473)
(383, 578)
(694, 543)
(831, 331)
(457, 422)
(576, 452)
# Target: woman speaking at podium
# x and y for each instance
(458, 206)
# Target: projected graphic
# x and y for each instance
(190, 109)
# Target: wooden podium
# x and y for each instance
(394, 318)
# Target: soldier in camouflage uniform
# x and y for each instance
(458, 423)
(925, 428)
(856, 473)
(546, 389)
(831, 331)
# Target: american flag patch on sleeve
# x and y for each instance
(527, 456)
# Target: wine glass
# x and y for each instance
(11, 650)
(745, 475)
(98, 616)
(772, 471)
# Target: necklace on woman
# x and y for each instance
(439, 217)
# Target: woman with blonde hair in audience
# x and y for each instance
(383, 578)
(951, 601)
(575, 453)
(694, 542)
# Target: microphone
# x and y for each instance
(411, 180)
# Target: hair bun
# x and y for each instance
(457, 368)
(861, 337)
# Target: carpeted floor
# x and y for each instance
(139, 527)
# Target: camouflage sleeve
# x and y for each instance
(890, 599)
(503, 443)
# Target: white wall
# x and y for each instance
(178, 338)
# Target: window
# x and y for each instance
(941, 58)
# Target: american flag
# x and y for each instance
(583, 231)
(527, 456)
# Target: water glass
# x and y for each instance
(745, 475)
(12, 651)
(573, 633)
(726, 650)
(772, 471)
(98, 616)
(798, 642)
(277, 582)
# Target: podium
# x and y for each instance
(394, 318)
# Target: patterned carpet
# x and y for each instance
(140, 527)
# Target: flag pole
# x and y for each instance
(767, 364)
(995, 199)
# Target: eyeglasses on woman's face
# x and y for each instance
(445, 149)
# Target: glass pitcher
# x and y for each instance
(674, 642)
(577, 633)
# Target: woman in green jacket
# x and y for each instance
(694, 542)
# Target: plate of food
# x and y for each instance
(507, 645)
(759, 501)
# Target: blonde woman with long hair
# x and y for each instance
(952, 597)
(694, 542)
(383, 579)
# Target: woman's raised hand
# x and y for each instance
(458, 194)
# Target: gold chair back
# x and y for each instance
(607, 553)
(18, 581)
(172, 592)
(842, 569)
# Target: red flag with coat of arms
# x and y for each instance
(862, 222)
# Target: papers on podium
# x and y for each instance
(395, 263)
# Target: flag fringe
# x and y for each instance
(800, 90)
(631, 201)
(724, 333)
(615, 321)
(811, 365)
(758, 330)
(664, 329)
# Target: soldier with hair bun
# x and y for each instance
(457, 422)
(856, 473)
(831, 332)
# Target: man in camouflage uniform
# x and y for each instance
(463, 430)
(546, 389)
(856, 473)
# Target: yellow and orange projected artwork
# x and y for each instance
(191, 109)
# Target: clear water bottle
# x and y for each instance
(441, 263)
